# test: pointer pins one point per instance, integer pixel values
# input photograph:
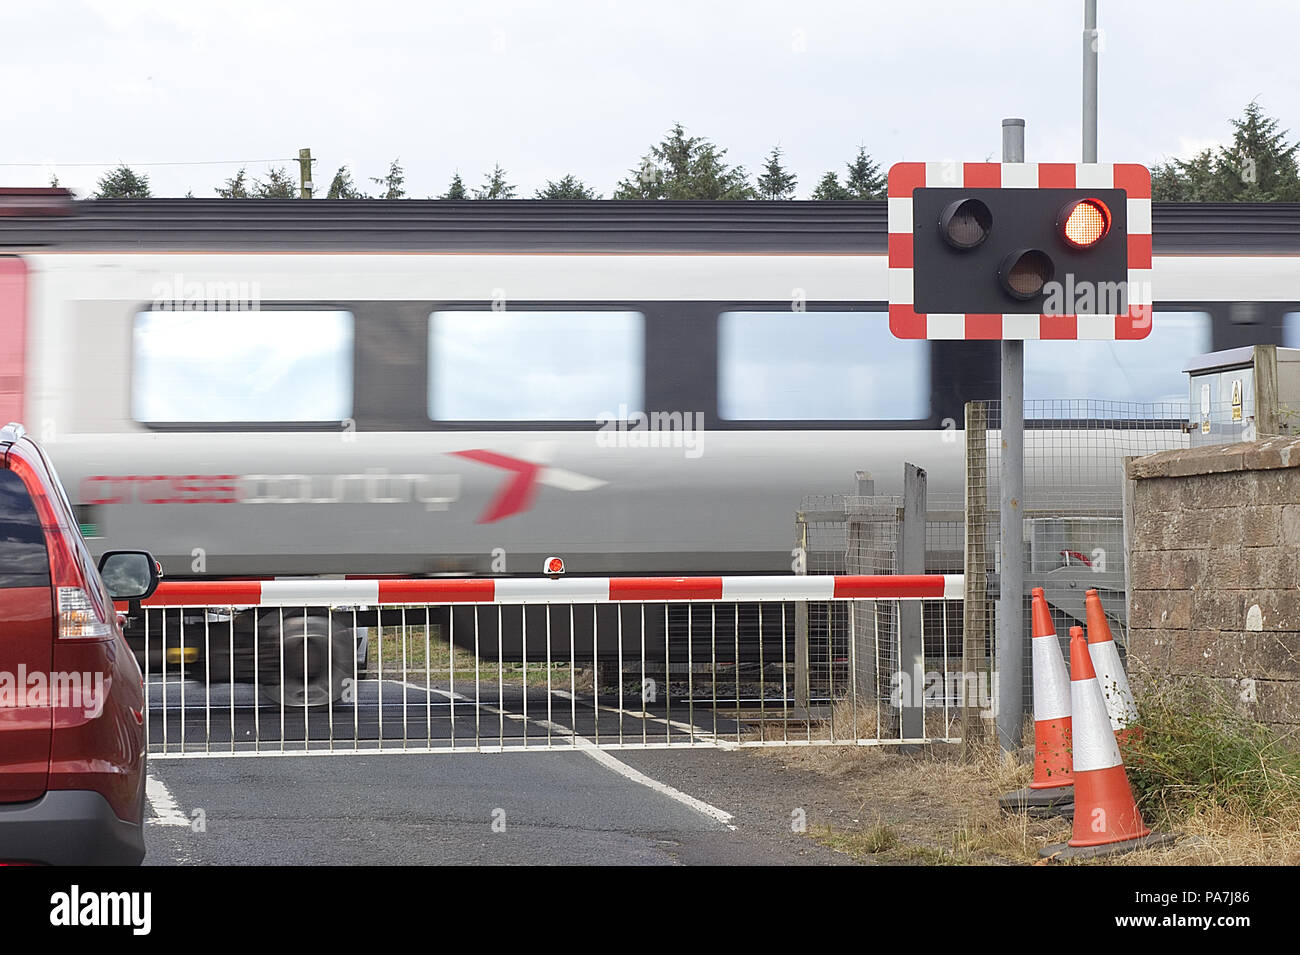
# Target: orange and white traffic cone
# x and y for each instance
(1052, 789)
(1052, 764)
(1120, 705)
(1104, 810)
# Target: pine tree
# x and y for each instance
(342, 186)
(122, 183)
(864, 179)
(277, 185)
(570, 187)
(235, 187)
(685, 167)
(495, 186)
(456, 190)
(391, 183)
(1259, 166)
(830, 188)
(776, 182)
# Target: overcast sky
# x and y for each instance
(584, 86)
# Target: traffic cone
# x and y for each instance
(1052, 764)
(1104, 810)
(1052, 791)
(1120, 705)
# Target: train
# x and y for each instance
(273, 388)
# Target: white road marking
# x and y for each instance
(166, 811)
(616, 765)
(627, 772)
(697, 732)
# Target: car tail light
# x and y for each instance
(78, 618)
(81, 615)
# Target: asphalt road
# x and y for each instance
(543, 808)
(193, 716)
(629, 807)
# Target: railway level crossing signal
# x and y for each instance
(1019, 250)
(1015, 251)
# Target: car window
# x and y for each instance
(24, 561)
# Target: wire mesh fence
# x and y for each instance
(1073, 531)
(1073, 540)
(864, 642)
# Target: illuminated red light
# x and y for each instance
(1086, 223)
(555, 566)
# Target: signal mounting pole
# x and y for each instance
(1063, 225)
(1011, 556)
(1091, 42)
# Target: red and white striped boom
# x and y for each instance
(541, 590)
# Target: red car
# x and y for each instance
(72, 706)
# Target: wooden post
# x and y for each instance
(975, 609)
(1268, 422)
(304, 173)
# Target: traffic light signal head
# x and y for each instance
(987, 250)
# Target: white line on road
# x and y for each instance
(166, 812)
(617, 765)
(626, 771)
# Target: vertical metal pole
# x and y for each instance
(1091, 41)
(911, 618)
(1010, 646)
(801, 662)
(864, 546)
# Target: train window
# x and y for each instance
(535, 365)
(232, 366)
(1059, 373)
(1291, 330)
(819, 366)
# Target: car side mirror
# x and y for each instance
(129, 574)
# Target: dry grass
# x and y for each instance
(1217, 779)
(414, 653)
(938, 809)
(844, 723)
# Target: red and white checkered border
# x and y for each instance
(544, 590)
(906, 322)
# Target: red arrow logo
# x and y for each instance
(519, 491)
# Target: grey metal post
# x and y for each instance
(1011, 551)
(911, 560)
(863, 539)
(1091, 40)
(801, 621)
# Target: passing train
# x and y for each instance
(275, 388)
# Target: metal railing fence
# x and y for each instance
(483, 665)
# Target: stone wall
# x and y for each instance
(1214, 571)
